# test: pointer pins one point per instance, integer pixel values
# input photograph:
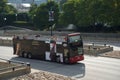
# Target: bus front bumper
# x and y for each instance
(76, 59)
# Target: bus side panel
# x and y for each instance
(24, 46)
(36, 48)
(39, 50)
(64, 51)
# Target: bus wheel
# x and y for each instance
(29, 55)
(22, 54)
(66, 60)
(25, 55)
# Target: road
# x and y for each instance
(92, 68)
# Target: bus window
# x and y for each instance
(75, 38)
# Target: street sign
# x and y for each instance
(51, 15)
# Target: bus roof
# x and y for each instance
(72, 34)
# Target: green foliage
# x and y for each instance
(22, 24)
(6, 9)
(40, 15)
(82, 13)
(2, 6)
(88, 12)
(68, 16)
(6, 13)
(32, 11)
(10, 9)
(22, 17)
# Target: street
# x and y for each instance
(92, 68)
(101, 68)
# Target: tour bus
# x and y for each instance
(62, 49)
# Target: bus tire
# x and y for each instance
(22, 54)
(66, 61)
(29, 55)
(25, 55)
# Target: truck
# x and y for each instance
(67, 48)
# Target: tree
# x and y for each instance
(5, 8)
(10, 9)
(41, 17)
(91, 12)
(32, 11)
(2, 6)
(104, 11)
(5, 12)
(82, 16)
(68, 15)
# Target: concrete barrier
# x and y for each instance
(96, 50)
(101, 37)
(6, 42)
(10, 69)
(11, 74)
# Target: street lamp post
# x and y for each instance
(16, 16)
(4, 23)
(5, 20)
(34, 24)
(51, 19)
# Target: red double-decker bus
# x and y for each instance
(61, 49)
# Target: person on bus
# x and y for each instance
(52, 51)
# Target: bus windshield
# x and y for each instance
(74, 38)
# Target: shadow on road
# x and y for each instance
(73, 70)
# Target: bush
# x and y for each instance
(23, 24)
